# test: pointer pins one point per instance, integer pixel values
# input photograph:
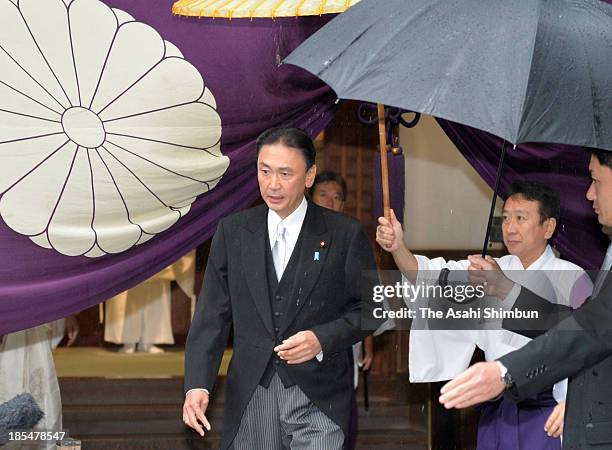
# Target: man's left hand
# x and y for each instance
(485, 271)
(366, 355)
(479, 383)
(299, 348)
(554, 425)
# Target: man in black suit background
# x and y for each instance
(579, 347)
(287, 276)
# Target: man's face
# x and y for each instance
(524, 235)
(600, 191)
(329, 195)
(282, 177)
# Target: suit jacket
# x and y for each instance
(579, 347)
(326, 299)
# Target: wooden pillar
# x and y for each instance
(349, 148)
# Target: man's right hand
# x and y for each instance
(194, 408)
(479, 383)
(390, 237)
(389, 234)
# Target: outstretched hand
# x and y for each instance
(479, 383)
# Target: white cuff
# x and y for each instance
(319, 356)
(197, 389)
(508, 302)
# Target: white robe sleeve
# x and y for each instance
(438, 355)
(27, 365)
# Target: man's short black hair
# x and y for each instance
(329, 175)
(547, 198)
(603, 156)
(290, 137)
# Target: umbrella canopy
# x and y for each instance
(525, 70)
(259, 8)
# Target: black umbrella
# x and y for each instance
(524, 70)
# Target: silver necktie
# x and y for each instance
(279, 251)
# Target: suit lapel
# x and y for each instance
(603, 278)
(253, 242)
(315, 245)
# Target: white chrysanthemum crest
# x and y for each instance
(107, 134)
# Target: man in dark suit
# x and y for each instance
(287, 276)
(579, 347)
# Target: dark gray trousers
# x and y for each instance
(280, 419)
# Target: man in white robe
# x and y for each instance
(530, 216)
(140, 317)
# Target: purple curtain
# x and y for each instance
(578, 238)
(239, 61)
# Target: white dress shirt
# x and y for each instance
(293, 225)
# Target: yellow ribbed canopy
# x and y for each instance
(259, 8)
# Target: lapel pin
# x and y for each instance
(322, 244)
(316, 256)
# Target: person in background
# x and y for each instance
(141, 317)
(26, 365)
(329, 190)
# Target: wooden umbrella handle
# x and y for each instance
(384, 168)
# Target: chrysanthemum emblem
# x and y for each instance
(107, 134)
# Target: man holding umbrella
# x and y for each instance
(579, 347)
(530, 216)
